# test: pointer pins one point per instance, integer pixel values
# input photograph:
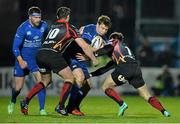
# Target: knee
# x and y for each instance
(16, 89)
(89, 83)
(80, 79)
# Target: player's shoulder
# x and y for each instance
(75, 29)
(72, 26)
(90, 26)
(44, 22)
(90, 29)
(24, 24)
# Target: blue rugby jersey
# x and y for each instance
(89, 33)
(28, 39)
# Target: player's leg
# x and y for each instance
(138, 83)
(79, 79)
(19, 81)
(78, 72)
(46, 79)
(34, 69)
(41, 95)
(68, 77)
(108, 88)
(84, 91)
(18, 84)
(144, 92)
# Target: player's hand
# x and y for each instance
(23, 64)
(81, 57)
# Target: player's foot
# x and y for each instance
(10, 107)
(24, 107)
(166, 114)
(61, 110)
(77, 112)
(42, 112)
(122, 109)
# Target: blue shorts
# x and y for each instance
(80, 64)
(31, 67)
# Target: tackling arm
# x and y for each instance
(106, 50)
(110, 65)
(87, 50)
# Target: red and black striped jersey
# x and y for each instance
(119, 51)
(61, 35)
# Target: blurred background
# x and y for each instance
(151, 29)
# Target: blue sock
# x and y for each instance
(42, 98)
(14, 95)
(74, 91)
(72, 100)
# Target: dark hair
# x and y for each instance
(117, 35)
(103, 19)
(34, 9)
(63, 12)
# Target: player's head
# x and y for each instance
(116, 36)
(34, 15)
(63, 13)
(103, 24)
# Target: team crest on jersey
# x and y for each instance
(29, 33)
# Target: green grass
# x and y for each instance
(97, 110)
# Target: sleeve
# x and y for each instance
(110, 65)
(87, 41)
(18, 40)
(86, 34)
(106, 50)
(74, 32)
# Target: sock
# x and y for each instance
(156, 104)
(34, 91)
(64, 93)
(82, 93)
(14, 95)
(114, 95)
(42, 98)
(72, 100)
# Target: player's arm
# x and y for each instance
(87, 50)
(86, 37)
(106, 50)
(18, 40)
(85, 47)
(88, 42)
(110, 65)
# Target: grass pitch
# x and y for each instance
(97, 110)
